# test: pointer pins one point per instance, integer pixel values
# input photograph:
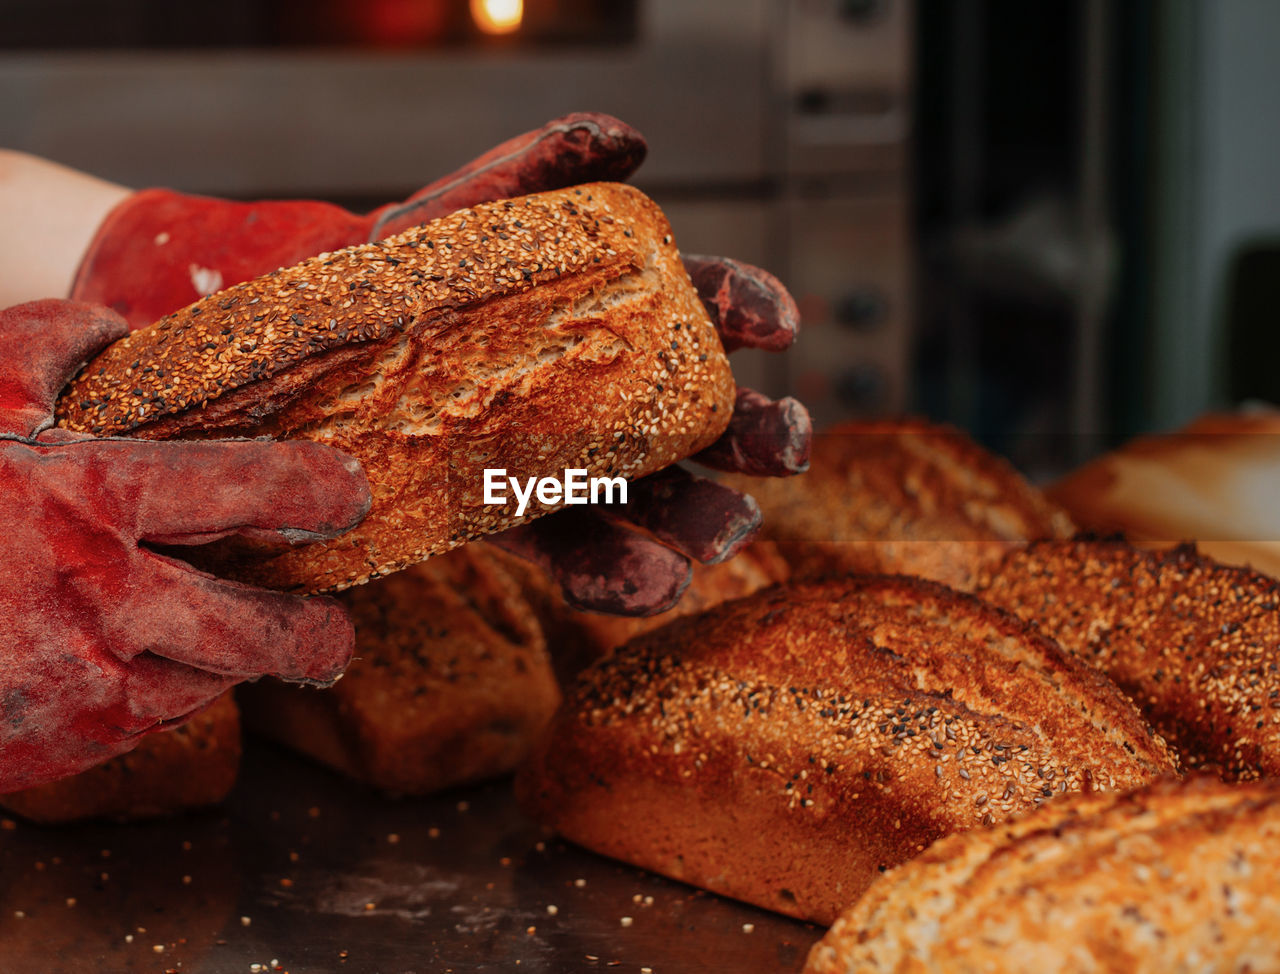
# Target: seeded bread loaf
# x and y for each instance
(901, 497)
(1176, 876)
(1195, 643)
(787, 747)
(550, 331)
(191, 766)
(450, 684)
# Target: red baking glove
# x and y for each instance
(159, 251)
(102, 638)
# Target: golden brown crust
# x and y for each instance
(451, 681)
(786, 747)
(1212, 482)
(432, 355)
(1173, 876)
(1192, 641)
(901, 496)
(168, 772)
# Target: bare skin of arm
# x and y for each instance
(48, 215)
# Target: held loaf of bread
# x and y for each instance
(787, 747)
(451, 682)
(901, 497)
(1176, 876)
(550, 331)
(1195, 643)
(171, 771)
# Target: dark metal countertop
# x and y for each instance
(303, 869)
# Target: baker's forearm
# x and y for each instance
(48, 215)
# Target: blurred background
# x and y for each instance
(1055, 224)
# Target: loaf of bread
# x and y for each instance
(450, 684)
(1195, 643)
(576, 639)
(786, 748)
(1176, 876)
(552, 331)
(171, 771)
(1213, 482)
(901, 496)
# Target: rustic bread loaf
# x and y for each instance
(550, 331)
(191, 766)
(1213, 482)
(786, 748)
(1176, 876)
(577, 639)
(450, 683)
(1192, 641)
(901, 496)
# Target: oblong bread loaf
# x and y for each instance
(787, 747)
(1194, 642)
(1176, 876)
(546, 332)
(901, 496)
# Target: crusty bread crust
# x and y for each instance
(1177, 876)
(451, 682)
(1192, 641)
(170, 771)
(551, 331)
(901, 497)
(787, 747)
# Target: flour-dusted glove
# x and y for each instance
(102, 637)
(159, 251)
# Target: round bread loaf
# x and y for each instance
(1177, 876)
(552, 331)
(787, 747)
(1192, 641)
(901, 497)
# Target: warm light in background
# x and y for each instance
(497, 16)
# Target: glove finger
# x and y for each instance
(161, 693)
(193, 492)
(601, 566)
(702, 519)
(45, 344)
(749, 306)
(584, 147)
(765, 438)
(237, 631)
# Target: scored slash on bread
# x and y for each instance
(787, 747)
(549, 331)
(901, 496)
(1195, 643)
(1175, 876)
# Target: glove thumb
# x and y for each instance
(43, 344)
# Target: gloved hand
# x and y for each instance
(103, 638)
(159, 251)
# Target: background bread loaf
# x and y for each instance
(1213, 483)
(451, 682)
(901, 497)
(787, 747)
(1193, 642)
(1177, 876)
(550, 331)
